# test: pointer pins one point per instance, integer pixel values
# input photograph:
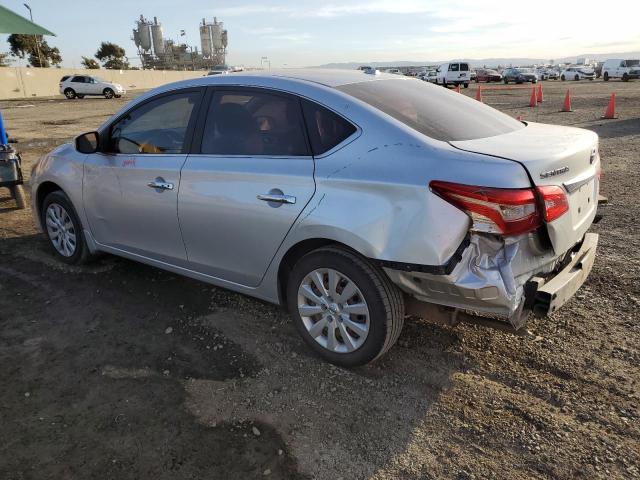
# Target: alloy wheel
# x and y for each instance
(61, 230)
(333, 310)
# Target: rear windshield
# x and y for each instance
(432, 110)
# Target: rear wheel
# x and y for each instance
(345, 309)
(562, 77)
(577, 77)
(625, 77)
(108, 93)
(79, 96)
(63, 229)
(606, 76)
(70, 93)
(466, 85)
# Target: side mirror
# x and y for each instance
(88, 142)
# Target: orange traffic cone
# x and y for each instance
(534, 101)
(540, 95)
(567, 103)
(479, 93)
(611, 108)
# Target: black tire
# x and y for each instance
(108, 93)
(466, 85)
(577, 77)
(70, 93)
(606, 76)
(81, 253)
(17, 192)
(506, 82)
(79, 96)
(118, 96)
(562, 78)
(383, 298)
(625, 77)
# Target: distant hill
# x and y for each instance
(489, 62)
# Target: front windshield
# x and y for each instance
(525, 70)
(433, 111)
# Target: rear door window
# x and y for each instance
(464, 67)
(326, 128)
(254, 123)
(431, 110)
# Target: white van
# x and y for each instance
(619, 68)
(453, 73)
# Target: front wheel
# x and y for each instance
(63, 229)
(625, 77)
(466, 85)
(79, 96)
(108, 93)
(562, 77)
(345, 309)
(576, 78)
(606, 76)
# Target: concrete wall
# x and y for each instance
(21, 82)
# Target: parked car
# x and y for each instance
(218, 72)
(519, 75)
(487, 75)
(77, 86)
(276, 185)
(454, 73)
(553, 73)
(542, 73)
(622, 69)
(431, 76)
(394, 71)
(577, 73)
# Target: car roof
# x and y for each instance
(324, 76)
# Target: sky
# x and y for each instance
(294, 33)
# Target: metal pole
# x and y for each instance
(35, 37)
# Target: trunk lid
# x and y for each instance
(553, 155)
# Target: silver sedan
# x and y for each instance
(351, 198)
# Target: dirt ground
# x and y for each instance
(119, 370)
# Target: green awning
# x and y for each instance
(11, 22)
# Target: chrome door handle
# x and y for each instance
(277, 198)
(161, 185)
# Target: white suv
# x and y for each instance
(77, 86)
(454, 73)
(619, 68)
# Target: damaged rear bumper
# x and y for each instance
(547, 295)
(503, 278)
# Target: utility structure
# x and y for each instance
(159, 53)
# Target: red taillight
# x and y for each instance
(555, 202)
(506, 211)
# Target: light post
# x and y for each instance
(35, 37)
